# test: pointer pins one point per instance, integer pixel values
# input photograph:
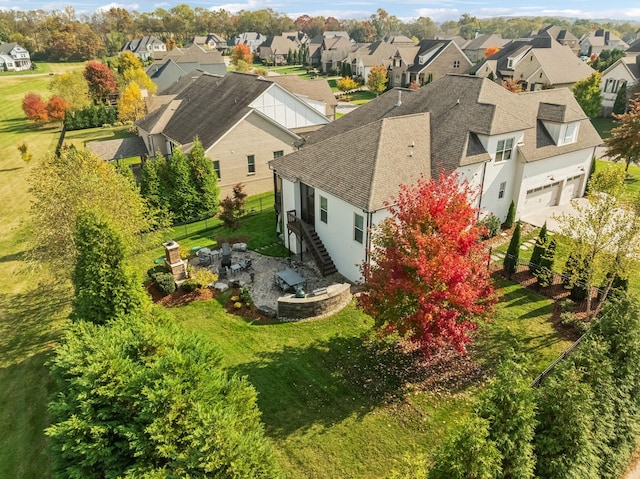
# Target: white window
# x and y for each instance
(251, 164)
(358, 228)
(503, 186)
(456, 64)
(324, 212)
(570, 134)
(504, 149)
(278, 154)
(510, 63)
(216, 167)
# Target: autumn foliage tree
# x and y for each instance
(241, 52)
(377, 81)
(427, 279)
(35, 108)
(57, 108)
(101, 81)
(491, 50)
(624, 142)
(346, 84)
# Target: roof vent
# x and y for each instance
(399, 102)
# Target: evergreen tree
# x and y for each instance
(508, 404)
(467, 453)
(154, 189)
(571, 268)
(580, 289)
(290, 60)
(205, 180)
(539, 249)
(563, 442)
(145, 398)
(513, 252)
(511, 216)
(620, 105)
(545, 273)
(183, 199)
(105, 287)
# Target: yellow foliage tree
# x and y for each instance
(131, 105)
(138, 75)
(346, 84)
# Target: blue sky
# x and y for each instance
(405, 9)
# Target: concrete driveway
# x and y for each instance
(548, 214)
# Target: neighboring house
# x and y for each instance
(369, 55)
(275, 49)
(182, 61)
(474, 49)
(534, 149)
(252, 39)
(561, 35)
(146, 48)
(242, 120)
(536, 64)
(316, 92)
(329, 50)
(212, 41)
(595, 42)
(625, 70)
(13, 57)
(431, 59)
(634, 49)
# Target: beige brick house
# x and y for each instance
(243, 121)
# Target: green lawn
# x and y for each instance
(603, 125)
(43, 67)
(32, 305)
(333, 403)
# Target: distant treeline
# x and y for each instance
(65, 36)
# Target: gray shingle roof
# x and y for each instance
(120, 148)
(448, 115)
(390, 152)
(316, 89)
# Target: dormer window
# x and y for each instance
(510, 63)
(504, 150)
(570, 134)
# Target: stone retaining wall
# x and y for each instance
(336, 297)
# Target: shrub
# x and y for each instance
(166, 282)
(185, 252)
(203, 277)
(511, 216)
(157, 269)
(245, 296)
(570, 320)
(567, 305)
(189, 285)
(237, 305)
(235, 299)
(513, 253)
(492, 224)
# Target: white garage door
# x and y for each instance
(542, 196)
(572, 187)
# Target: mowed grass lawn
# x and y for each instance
(332, 402)
(31, 304)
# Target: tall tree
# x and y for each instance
(508, 404)
(183, 196)
(73, 88)
(56, 108)
(105, 287)
(621, 102)
(205, 180)
(609, 228)
(241, 52)
(153, 188)
(427, 278)
(101, 81)
(539, 248)
(35, 109)
(377, 81)
(512, 257)
(64, 186)
(588, 96)
(624, 141)
(131, 106)
(144, 398)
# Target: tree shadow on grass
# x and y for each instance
(328, 381)
(26, 320)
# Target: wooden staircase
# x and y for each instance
(314, 244)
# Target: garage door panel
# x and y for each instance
(542, 196)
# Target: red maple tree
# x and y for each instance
(427, 279)
(491, 50)
(57, 108)
(35, 108)
(101, 80)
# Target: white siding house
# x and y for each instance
(534, 149)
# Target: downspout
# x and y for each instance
(484, 172)
(367, 249)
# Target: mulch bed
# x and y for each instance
(180, 297)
